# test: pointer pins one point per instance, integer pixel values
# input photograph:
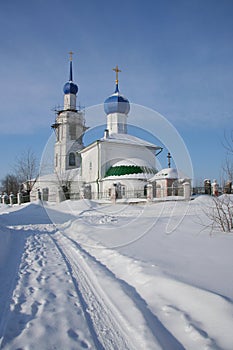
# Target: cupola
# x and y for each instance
(116, 103)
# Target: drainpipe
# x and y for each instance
(161, 149)
(106, 133)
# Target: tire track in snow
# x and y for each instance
(104, 328)
(82, 263)
(80, 295)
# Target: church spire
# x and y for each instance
(70, 89)
(71, 69)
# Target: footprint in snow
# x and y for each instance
(75, 336)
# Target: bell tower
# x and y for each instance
(69, 128)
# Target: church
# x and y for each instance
(118, 165)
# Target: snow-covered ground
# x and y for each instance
(91, 275)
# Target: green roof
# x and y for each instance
(128, 170)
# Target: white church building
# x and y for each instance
(118, 165)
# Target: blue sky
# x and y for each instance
(176, 57)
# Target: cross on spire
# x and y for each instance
(169, 159)
(117, 70)
(71, 55)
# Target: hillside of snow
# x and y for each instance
(91, 275)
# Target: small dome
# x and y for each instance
(167, 173)
(116, 103)
(132, 167)
(70, 88)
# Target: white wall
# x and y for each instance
(111, 153)
(100, 156)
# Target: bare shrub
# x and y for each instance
(220, 213)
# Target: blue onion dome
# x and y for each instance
(70, 87)
(116, 103)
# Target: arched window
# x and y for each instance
(71, 159)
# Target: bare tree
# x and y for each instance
(227, 167)
(220, 213)
(220, 209)
(10, 184)
(26, 169)
(228, 142)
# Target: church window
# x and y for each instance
(56, 160)
(71, 159)
(90, 165)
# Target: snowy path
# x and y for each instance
(48, 299)
(66, 290)
(44, 302)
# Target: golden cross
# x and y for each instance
(71, 55)
(117, 70)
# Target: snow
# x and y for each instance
(92, 275)
(128, 139)
(168, 173)
(132, 162)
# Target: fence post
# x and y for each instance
(19, 198)
(215, 188)
(113, 194)
(60, 195)
(4, 198)
(82, 192)
(11, 197)
(149, 192)
(187, 190)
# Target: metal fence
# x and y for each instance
(209, 191)
(140, 194)
(158, 192)
(13, 199)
